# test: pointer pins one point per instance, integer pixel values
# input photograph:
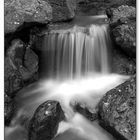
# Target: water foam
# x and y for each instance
(78, 67)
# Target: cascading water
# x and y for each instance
(77, 51)
(78, 71)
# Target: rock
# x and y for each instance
(21, 67)
(63, 10)
(9, 109)
(125, 37)
(16, 12)
(123, 11)
(89, 113)
(117, 110)
(122, 64)
(30, 65)
(123, 28)
(95, 7)
(12, 79)
(44, 124)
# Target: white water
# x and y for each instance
(77, 51)
(87, 91)
(79, 72)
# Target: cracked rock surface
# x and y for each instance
(117, 110)
(21, 67)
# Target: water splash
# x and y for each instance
(89, 130)
(77, 63)
(86, 90)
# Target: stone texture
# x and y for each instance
(123, 28)
(125, 37)
(21, 67)
(9, 109)
(63, 10)
(122, 64)
(99, 6)
(16, 12)
(121, 12)
(117, 110)
(44, 124)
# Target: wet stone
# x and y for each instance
(45, 121)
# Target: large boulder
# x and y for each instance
(117, 111)
(122, 12)
(16, 12)
(21, 67)
(125, 37)
(45, 121)
(123, 28)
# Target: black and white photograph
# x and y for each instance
(70, 70)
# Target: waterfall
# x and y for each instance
(77, 51)
(77, 70)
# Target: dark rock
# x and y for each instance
(117, 111)
(123, 11)
(63, 10)
(30, 65)
(123, 28)
(122, 64)
(125, 37)
(19, 11)
(21, 67)
(109, 13)
(89, 113)
(95, 7)
(12, 79)
(44, 124)
(24, 33)
(9, 109)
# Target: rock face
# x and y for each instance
(117, 111)
(19, 11)
(122, 12)
(125, 37)
(9, 109)
(100, 6)
(123, 28)
(63, 10)
(21, 67)
(122, 64)
(44, 124)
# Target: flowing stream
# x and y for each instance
(78, 71)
